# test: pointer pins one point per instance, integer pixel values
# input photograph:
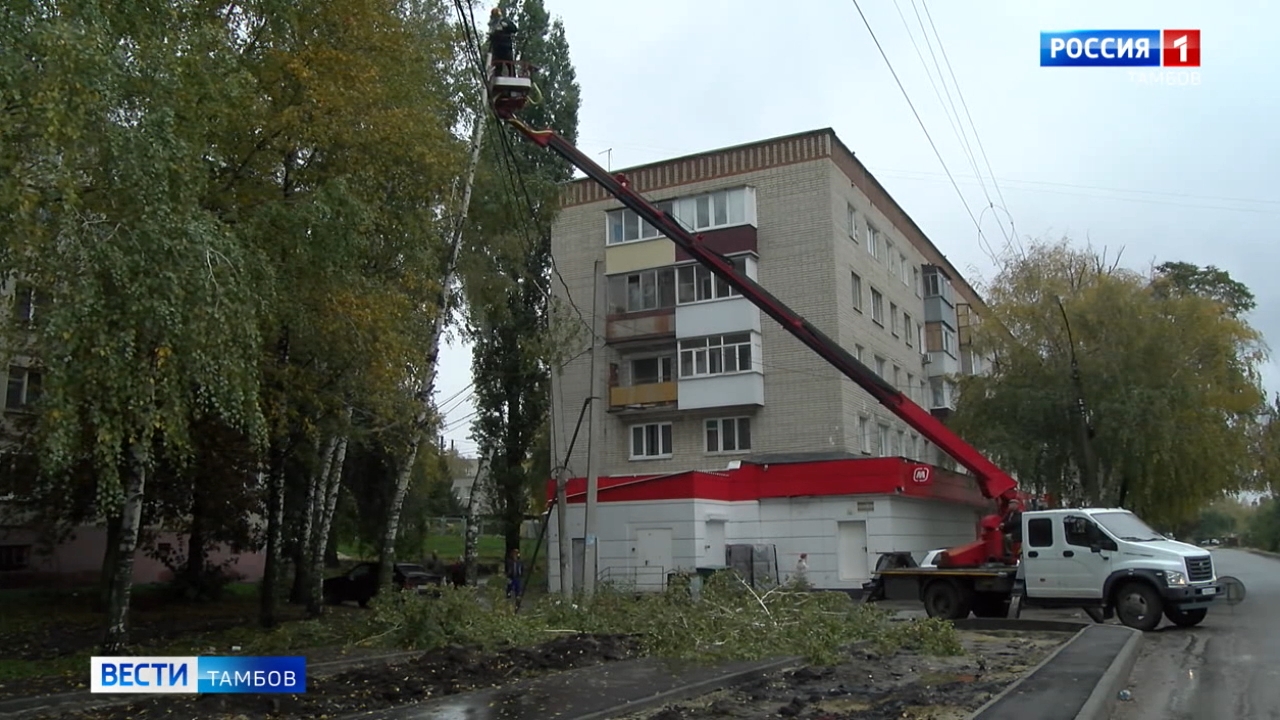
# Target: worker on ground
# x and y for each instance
(515, 572)
(502, 34)
(802, 570)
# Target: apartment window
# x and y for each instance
(911, 387)
(24, 388)
(857, 352)
(857, 291)
(932, 284)
(882, 440)
(949, 341)
(895, 266)
(15, 557)
(907, 327)
(644, 290)
(864, 434)
(937, 392)
(695, 283)
(915, 280)
(920, 336)
(912, 445)
(877, 307)
(850, 221)
(880, 366)
(903, 264)
(726, 435)
(893, 318)
(721, 208)
(27, 303)
(715, 355)
(873, 241)
(646, 371)
(897, 377)
(900, 446)
(626, 226)
(650, 441)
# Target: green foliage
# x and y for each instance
(508, 270)
(1263, 529)
(1170, 381)
(727, 621)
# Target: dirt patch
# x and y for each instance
(869, 686)
(447, 671)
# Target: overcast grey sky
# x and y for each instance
(1166, 172)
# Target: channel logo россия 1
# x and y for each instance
(1120, 48)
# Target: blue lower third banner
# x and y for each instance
(231, 674)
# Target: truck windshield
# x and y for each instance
(1127, 526)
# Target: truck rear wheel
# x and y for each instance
(1185, 618)
(947, 599)
(1139, 606)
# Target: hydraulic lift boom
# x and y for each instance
(509, 85)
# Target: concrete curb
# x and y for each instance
(691, 690)
(1263, 553)
(1020, 625)
(1028, 673)
(1103, 697)
(85, 700)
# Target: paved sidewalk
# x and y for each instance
(591, 693)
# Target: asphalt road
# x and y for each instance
(1228, 667)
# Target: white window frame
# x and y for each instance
(892, 251)
(653, 275)
(893, 318)
(733, 201)
(856, 279)
(915, 280)
(23, 376)
(904, 264)
(880, 366)
(704, 350)
(901, 444)
(857, 352)
(911, 387)
(864, 434)
(873, 241)
(882, 440)
(949, 341)
(667, 360)
(705, 286)
(877, 307)
(851, 220)
(629, 219)
(906, 328)
(725, 427)
(897, 377)
(663, 436)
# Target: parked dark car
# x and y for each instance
(360, 583)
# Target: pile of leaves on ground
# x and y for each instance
(723, 620)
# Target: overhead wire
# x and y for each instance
(978, 138)
(982, 239)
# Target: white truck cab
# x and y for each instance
(1109, 558)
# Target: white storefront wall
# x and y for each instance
(641, 542)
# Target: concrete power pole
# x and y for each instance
(564, 548)
(594, 440)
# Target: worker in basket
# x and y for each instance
(502, 33)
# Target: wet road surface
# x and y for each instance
(1228, 667)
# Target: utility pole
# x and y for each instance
(594, 440)
(564, 548)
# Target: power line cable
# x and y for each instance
(981, 236)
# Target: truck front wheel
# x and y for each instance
(946, 599)
(1185, 618)
(1139, 606)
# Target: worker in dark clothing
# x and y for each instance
(515, 572)
(502, 34)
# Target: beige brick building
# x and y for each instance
(697, 377)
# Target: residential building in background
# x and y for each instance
(699, 381)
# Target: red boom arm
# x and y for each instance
(508, 93)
